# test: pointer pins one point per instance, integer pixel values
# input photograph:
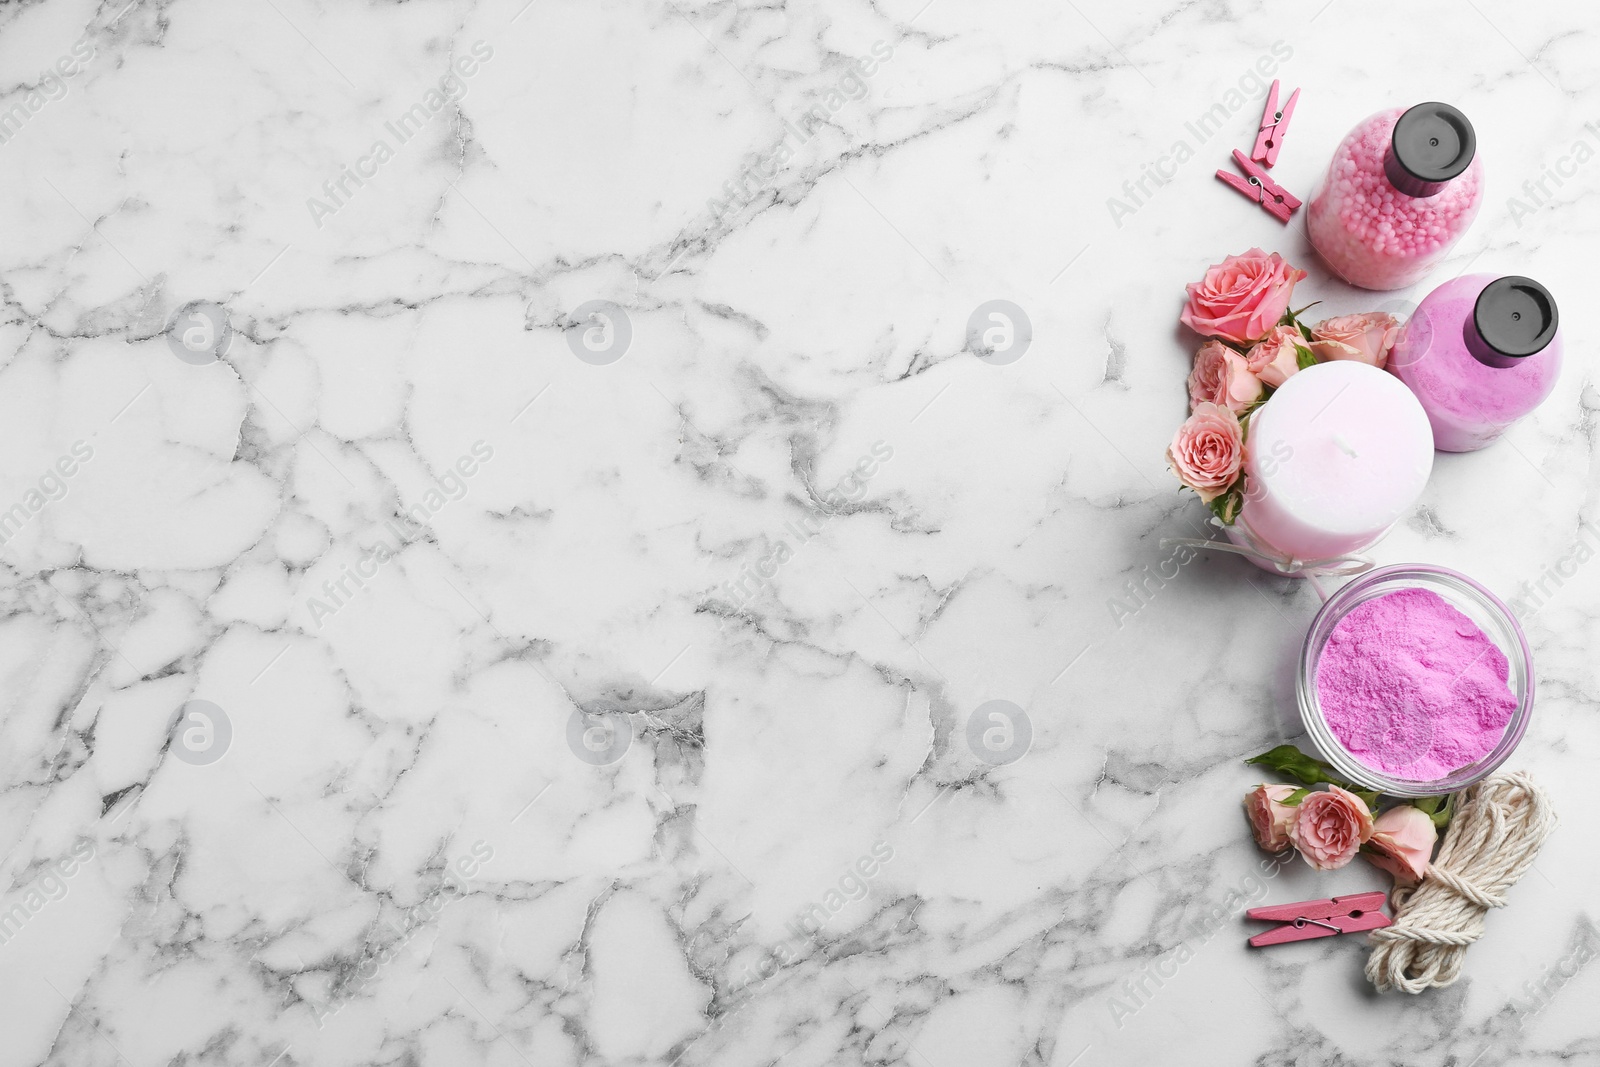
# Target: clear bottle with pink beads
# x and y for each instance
(1479, 353)
(1402, 188)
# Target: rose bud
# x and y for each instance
(1330, 827)
(1402, 843)
(1241, 298)
(1275, 360)
(1221, 377)
(1366, 338)
(1269, 816)
(1207, 451)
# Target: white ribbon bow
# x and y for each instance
(1343, 566)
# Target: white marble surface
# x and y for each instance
(398, 859)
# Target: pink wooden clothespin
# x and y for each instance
(1262, 189)
(1274, 124)
(1320, 918)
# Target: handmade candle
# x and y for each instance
(1402, 188)
(1332, 460)
(1480, 352)
(1413, 688)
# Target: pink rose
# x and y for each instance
(1208, 450)
(1221, 377)
(1269, 816)
(1330, 827)
(1402, 842)
(1242, 297)
(1366, 337)
(1275, 360)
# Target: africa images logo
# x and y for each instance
(352, 581)
(452, 87)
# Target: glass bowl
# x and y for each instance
(1466, 596)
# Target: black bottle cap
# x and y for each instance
(1514, 318)
(1432, 144)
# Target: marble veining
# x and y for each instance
(510, 555)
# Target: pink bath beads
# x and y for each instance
(1402, 188)
(1413, 688)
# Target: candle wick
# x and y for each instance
(1344, 446)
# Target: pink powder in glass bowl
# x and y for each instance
(1415, 681)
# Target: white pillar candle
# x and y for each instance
(1337, 455)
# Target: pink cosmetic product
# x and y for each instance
(1415, 681)
(1402, 188)
(1480, 352)
(1412, 687)
(1332, 461)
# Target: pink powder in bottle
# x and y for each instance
(1448, 356)
(1378, 234)
(1413, 688)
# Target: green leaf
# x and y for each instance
(1226, 506)
(1442, 817)
(1292, 318)
(1291, 762)
(1305, 331)
(1439, 808)
(1304, 357)
(1368, 796)
(1293, 799)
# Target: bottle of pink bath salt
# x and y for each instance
(1402, 188)
(1480, 352)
